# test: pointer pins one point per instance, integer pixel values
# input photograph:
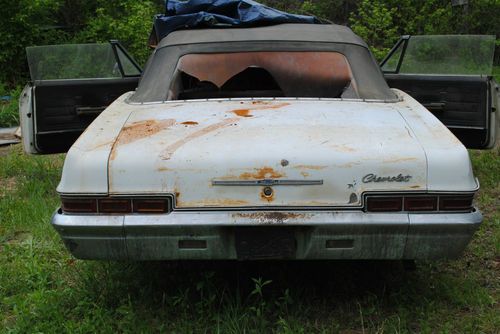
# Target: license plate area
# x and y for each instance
(265, 243)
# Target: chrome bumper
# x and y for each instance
(221, 235)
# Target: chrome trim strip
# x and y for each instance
(268, 183)
(237, 99)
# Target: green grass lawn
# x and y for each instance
(44, 290)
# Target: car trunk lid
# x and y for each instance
(270, 153)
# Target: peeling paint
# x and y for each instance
(273, 217)
(139, 130)
(343, 148)
(261, 105)
(313, 167)
(396, 160)
(267, 198)
(170, 150)
(190, 123)
(262, 173)
(242, 112)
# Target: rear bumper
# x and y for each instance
(225, 235)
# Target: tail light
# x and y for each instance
(421, 203)
(117, 205)
(461, 203)
(152, 205)
(78, 205)
(456, 203)
(384, 204)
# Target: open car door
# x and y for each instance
(451, 76)
(70, 86)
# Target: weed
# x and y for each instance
(44, 289)
(9, 114)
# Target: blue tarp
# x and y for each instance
(219, 13)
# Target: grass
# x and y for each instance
(43, 289)
(496, 73)
(9, 115)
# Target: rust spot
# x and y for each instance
(267, 196)
(305, 174)
(262, 173)
(242, 112)
(272, 217)
(170, 150)
(190, 123)
(263, 105)
(164, 169)
(139, 130)
(314, 167)
(415, 187)
(396, 160)
(344, 148)
(260, 102)
(101, 145)
(350, 164)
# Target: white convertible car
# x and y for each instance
(279, 142)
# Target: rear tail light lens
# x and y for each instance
(384, 204)
(421, 203)
(76, 205)
(456, 203)
(152, 206)
(462, 203)
(117, 205)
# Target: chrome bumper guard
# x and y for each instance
(211, 235)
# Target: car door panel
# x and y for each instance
(65, 108)
(60, 105)
(462, 102)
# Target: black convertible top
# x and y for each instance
(161, 67)
(293, 32)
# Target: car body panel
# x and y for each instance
(181, 147)
(213, 235)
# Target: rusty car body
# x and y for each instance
(280, 142)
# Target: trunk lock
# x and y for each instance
(268, 192)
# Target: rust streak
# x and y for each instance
(272, 216)
(396, 160)
(242, 112)
(101, 145)
(262, 105)
(165, 169)
(262, 173)
(172, 148)
(314, 167)
(343, 148)
(190, 123)
(142, 129)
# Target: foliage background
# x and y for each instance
(380, 22)
(44, 290)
